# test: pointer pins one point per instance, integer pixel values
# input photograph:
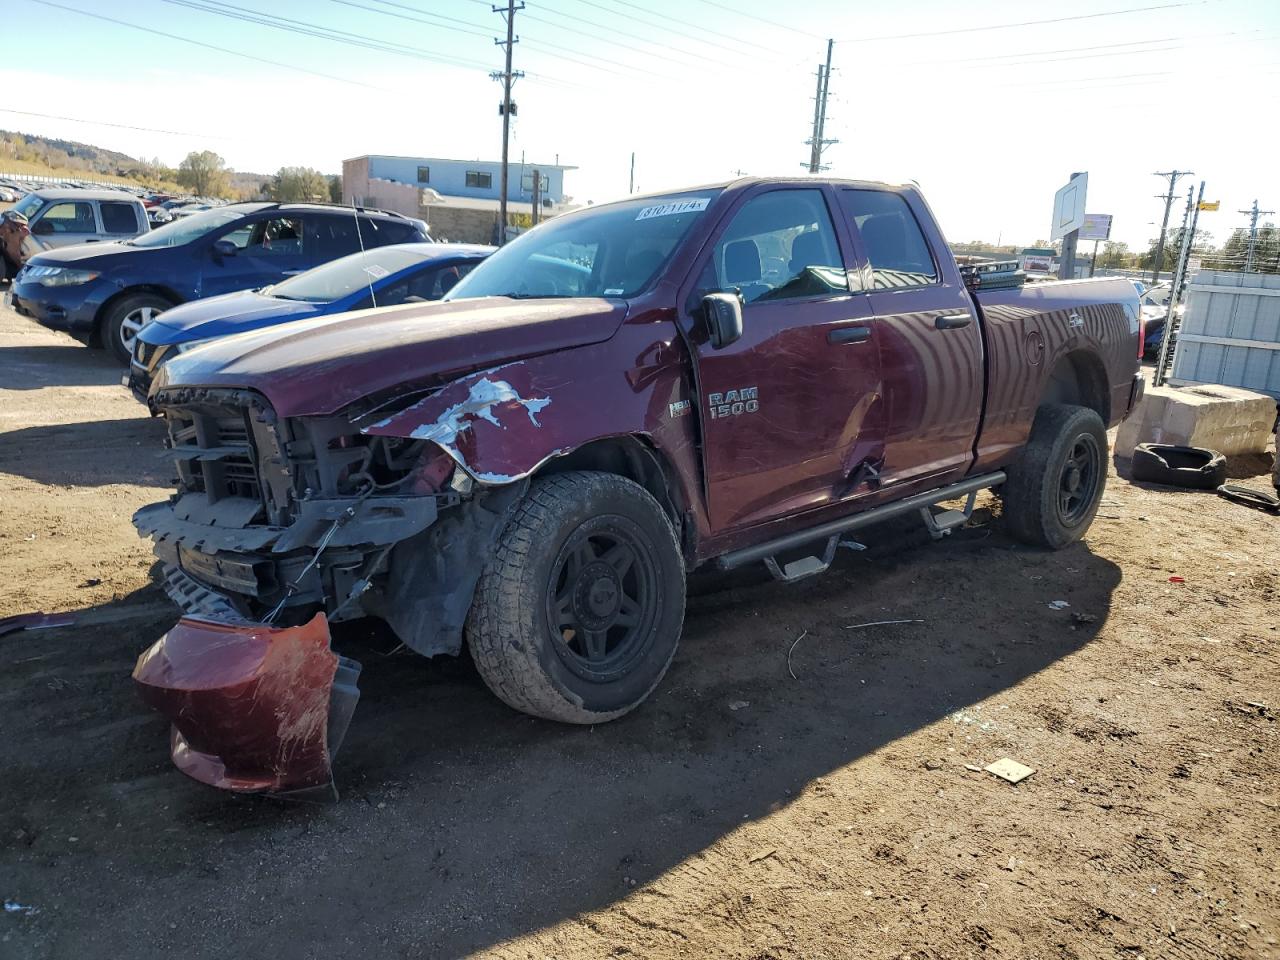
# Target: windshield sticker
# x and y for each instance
(376, 271)
(677, 206)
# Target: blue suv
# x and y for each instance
(105, 293)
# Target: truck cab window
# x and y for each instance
(780, 246)
(893, 240)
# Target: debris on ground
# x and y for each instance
(1058, 604)
(12, 906)
(739, 705)
(1084, 618)
(35, 621)
(1010, 770)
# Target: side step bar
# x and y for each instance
(830, 531)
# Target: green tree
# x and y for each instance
(298, 183)
(335, 189)
(1115, 255)
(204, 174)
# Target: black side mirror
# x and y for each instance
(224, 248)
(42, 229)
(723, 313)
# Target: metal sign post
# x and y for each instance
(1068, 218)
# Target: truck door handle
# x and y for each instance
(953, 321)
(849, 335)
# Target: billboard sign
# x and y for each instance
(1037, 263)
(1068, 206)
(1096, 226)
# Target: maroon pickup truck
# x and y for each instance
(732, 374)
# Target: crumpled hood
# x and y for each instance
(318, 366)
(225, 315)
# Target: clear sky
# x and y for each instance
(989, 117)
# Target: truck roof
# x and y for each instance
(743, 182)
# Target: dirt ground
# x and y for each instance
(740, 813)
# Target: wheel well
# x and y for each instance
(1079, 378)
(636, 460)
(163, 292)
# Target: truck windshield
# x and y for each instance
(610, 251)
(187, 229)
(358, 271)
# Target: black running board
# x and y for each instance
(832, 528)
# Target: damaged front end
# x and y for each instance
(279, 527)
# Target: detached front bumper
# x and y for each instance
(255, 708)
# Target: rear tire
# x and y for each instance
(1052, 493)
(126, 317)
(578, 613)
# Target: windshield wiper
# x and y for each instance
(533, 296)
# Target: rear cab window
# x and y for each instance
(118, 216)
(895, 245)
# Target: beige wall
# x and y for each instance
(362, 190)
(459, 225)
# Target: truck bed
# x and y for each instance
(1034, 334)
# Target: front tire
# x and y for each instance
(1053, 491)
(578, 614)
(126, 317)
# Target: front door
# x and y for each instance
(930, 342)
(267, 250)
(64, 223)
(791, 414)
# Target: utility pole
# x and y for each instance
(537, 197)
(1164, 360)
(508, 77)
(1254, 213)
(816, 141)
(1174, 176)
(631, 184)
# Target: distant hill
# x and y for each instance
(26, 153)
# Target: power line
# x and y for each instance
(106, 123)
(665, 27)
(232, 12)
(751, 16)
(1020, 23)
(419, 19)
(210, 46)
(718, 33)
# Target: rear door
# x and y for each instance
(929, 339)
(268, 249)
(791, 410)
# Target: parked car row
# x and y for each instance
(381, 277)
(107, 287)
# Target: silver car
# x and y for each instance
(63, 217)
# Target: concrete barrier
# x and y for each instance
(1230, 420)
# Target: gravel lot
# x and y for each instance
(741, 813)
